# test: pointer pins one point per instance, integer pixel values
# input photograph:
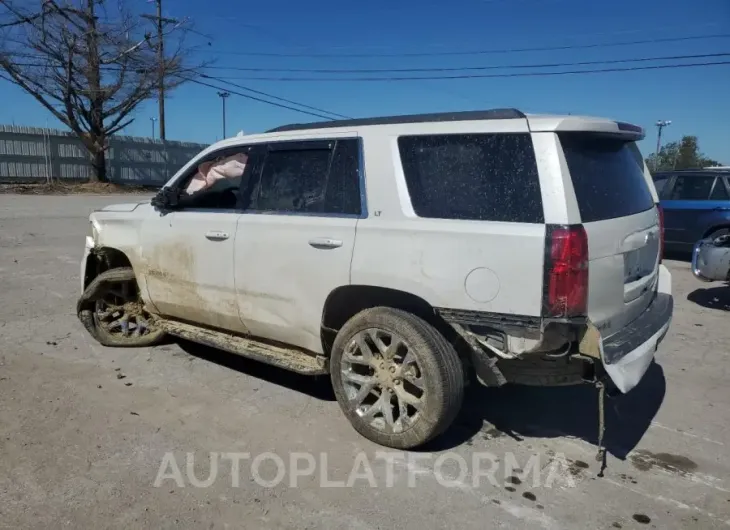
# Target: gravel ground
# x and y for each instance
(94, 437)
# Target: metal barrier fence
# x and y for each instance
(32, 154)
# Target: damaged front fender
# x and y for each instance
(88, 250)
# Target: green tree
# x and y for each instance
(684, 154)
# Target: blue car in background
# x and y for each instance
(696, 205)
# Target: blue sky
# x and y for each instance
(697, 100)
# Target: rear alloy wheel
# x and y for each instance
(396, 378)
(113, 312)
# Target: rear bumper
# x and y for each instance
(628, 354)
(710, 262)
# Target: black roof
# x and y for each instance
(493, 114)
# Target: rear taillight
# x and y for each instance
(566, 272)
(660, 211)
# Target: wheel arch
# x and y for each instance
(715, 228)
(102, 259)
(348, 300)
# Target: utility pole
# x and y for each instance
(159, 21)
(223, 96)
(660, 125)
(153, 127)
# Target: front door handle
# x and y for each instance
(217, 235)
(325, 243)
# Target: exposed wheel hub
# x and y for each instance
(120, 312)
(386, 372)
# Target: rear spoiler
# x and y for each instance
(622, 129)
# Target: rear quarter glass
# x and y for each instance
(481, 177)
(608, 177)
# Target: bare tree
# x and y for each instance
(90, 63)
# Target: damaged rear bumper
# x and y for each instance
(627, 355)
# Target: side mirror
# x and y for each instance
(166, 199)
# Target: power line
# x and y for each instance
(248, 96)
(430, 69)
(417, 78)
(476, 76)
(270, 32)
(222, 80)
(260, 92)
(463, 68)
(472, 52)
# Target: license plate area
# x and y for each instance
(642, 261)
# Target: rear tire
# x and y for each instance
(396, 378)
(113, 312)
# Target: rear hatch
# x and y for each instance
(621, 220)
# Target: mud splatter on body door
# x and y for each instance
(181, 288)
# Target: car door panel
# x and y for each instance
(688, 210)
(295, 244)
(282, 291)
(189, 267)
(189, 252)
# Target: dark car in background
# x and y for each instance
(696, 205)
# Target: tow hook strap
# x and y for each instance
(601, 455)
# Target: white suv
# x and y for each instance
(402, 256)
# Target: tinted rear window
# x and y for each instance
(484, 177)
(607, 177)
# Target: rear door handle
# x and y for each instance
(325, 243)
(217, 235)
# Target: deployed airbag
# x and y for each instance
(209, 173)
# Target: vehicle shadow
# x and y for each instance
(712, 298)
(512, 410)
(318, 387)
(543, 412)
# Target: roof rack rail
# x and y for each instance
(722, 169)
(493, 114)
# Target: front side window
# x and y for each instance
(482, 177)
(216, 180)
